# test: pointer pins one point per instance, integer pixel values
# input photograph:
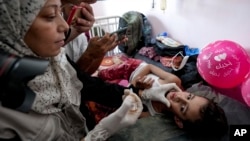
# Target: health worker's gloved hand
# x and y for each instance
(158, 93)
(124, 116)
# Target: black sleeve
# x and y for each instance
(95, 89)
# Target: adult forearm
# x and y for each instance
(89, 63)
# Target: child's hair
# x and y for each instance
(213, 121)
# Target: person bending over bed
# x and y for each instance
(78, 48)
(193, 113)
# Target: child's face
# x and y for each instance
(46, 35)
(186, 105)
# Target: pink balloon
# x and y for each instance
(245, 91)
(223, 64)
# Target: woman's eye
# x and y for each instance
(50, 17)
(53, 16)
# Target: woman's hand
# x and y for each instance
(125, 116)
(99, 46)
(158, 93)
(87, 19)
(84, 20)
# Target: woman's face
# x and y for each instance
(46, 35)
(186, 105)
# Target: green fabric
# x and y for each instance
(133, 20)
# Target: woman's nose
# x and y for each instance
(64, 27)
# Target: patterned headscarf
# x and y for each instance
(59, 85)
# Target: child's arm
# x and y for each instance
(166, 77)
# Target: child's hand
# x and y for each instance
(143, 82)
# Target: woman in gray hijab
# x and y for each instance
(36, 28)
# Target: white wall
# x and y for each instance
(191, 22)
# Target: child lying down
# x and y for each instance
(193, 113)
